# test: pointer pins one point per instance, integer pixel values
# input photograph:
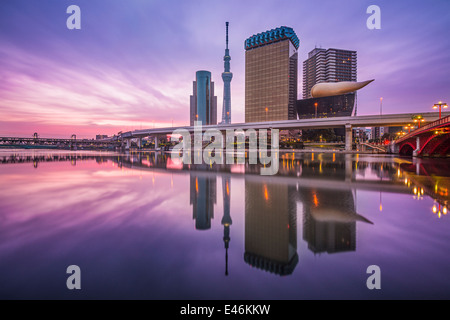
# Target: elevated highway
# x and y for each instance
(387, 120)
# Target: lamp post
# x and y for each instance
(381, 106)
(409, 126)
(418, 119)
(440, 105)
(315, 106)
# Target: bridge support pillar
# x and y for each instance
(156, 142)
(127, 144)
(348, 137)
(416, 152)
(139, 143)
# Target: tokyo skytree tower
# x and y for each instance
(226, 76)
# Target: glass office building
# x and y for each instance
(203, 102)
(271, 63)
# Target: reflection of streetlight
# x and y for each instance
(438, 210)
(439, 105)
(381, 205)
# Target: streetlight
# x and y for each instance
(439, 105)
(315, 105)
(381, 106)
(409, 126)
(418, 119)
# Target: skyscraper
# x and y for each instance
(271, 63)
(331, 65)
(203, 102)
(226, 76)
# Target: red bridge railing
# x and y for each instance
(426, 127)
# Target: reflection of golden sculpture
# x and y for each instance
(336, 215)
(326, 89)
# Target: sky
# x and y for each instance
(132, 63)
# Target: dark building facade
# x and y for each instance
(325, 107)
(271, 66)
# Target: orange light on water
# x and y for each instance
(266, 193)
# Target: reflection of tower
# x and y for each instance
(270, 227)
(203, 198)
(329, 220)
(226, 76)
(226, 220)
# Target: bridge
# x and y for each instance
(52, 143)
(432, 139)
(388, 120)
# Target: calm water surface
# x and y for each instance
(141, 226)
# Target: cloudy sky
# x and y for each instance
(132, 64)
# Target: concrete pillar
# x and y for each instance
(156, 142)
(139, 143)
(416, 152)
(348, 137)
(127, 144)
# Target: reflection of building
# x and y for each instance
(271, 63)
(226, 219)
(203, 198)
(329, 220)
(270, 227)
(331, 65)
(203, 101)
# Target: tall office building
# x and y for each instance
(226, 76)
(271, 64)
(328, 65)
(203, 101)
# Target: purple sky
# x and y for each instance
(132, 64)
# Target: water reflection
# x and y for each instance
(226, 219)
(419, 176)
(324, 186)
(202, 199)
(270, 227)
(329, 220)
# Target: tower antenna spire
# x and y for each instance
(226, 23)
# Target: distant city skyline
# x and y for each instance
(131, 64)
